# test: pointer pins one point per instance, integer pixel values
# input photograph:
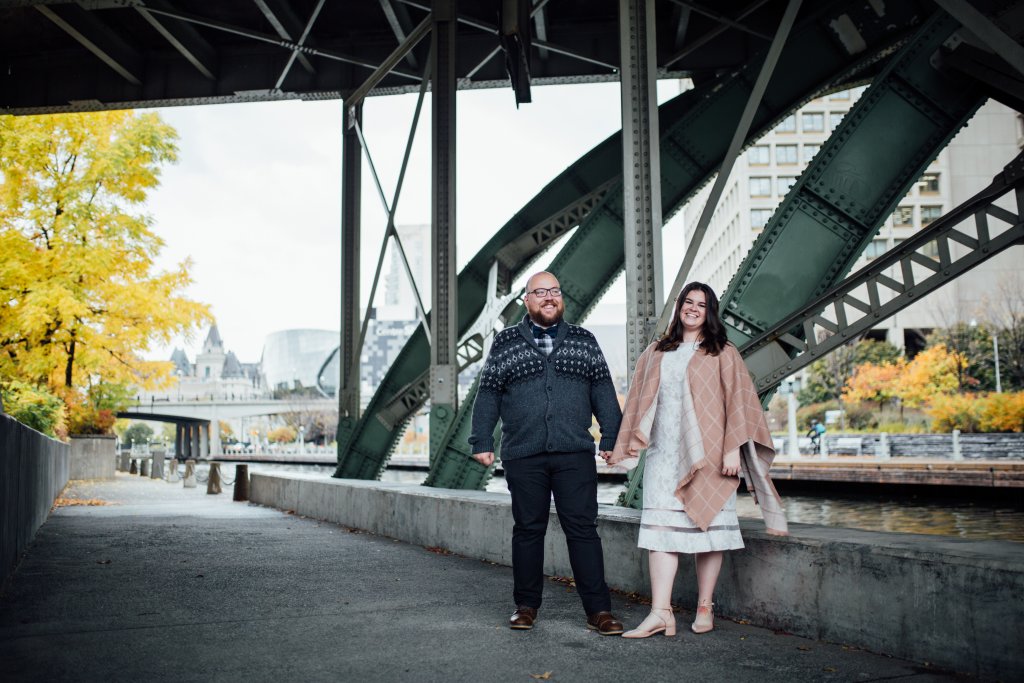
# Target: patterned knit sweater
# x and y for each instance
(545, 403)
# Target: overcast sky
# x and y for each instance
(255, 198)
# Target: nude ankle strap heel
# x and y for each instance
(667, 625)
(705, 619)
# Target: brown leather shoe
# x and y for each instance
(523, 618)
(604, 623)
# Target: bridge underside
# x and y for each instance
(192, 436)
(929, 66)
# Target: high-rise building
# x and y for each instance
(399, 301)
(764, 174)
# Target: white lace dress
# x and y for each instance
(664, 525)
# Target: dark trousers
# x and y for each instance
(572, 478)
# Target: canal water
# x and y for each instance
(979, 518)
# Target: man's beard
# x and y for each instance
(547, 320)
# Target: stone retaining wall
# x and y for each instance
(950, 602)
(93, 457)
(34, 470)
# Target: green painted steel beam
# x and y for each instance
(694, 138)
(905, 118)
(832, 46)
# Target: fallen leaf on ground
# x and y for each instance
(803, 647)
(830, 669)
(102, 561)
(68, 502)
(541, 677)
(438, 550)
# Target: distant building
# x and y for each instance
(399, 302)
(764, 174)
(215, 374)
(294, 360)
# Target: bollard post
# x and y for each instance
(134, 468)
(883, 447)
(144, 467)
(957, 453)
(123, 460)
(213, 481)
(241, 483)
(824, 447)
(172, 471)
(156, 471)
(189, 480)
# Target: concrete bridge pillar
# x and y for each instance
(204, 440)
(186, 441)
(196, 452)
(179, 438)
(215, 447)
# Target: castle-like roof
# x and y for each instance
(232, 368)
(213, 339)
(182, 365)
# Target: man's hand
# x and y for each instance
(731, 463)
(485, 459)
(605, 455)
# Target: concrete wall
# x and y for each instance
(950, 602)
(33, 471)
(93, 457)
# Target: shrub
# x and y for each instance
(1002, 413)
(34, 407)
(978, 412)
(814, 411)
(282, 435)
(955, 411)
(94, 410)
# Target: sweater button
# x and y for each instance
(551, 388)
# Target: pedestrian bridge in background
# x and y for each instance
(197, 422)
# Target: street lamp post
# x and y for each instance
(793, 446)
(995, 351)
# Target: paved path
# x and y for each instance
(170, 584)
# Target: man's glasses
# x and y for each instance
(542, 292)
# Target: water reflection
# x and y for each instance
(999, 520)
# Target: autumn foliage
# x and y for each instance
(283, 434)
(81, 297)
(933, 381)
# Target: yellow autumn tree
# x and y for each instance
(931, 373)
(871, 382)
(81, 297)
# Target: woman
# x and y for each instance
(693, 406)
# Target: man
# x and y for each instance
(816, 432)
(545, 379)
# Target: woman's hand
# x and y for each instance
(731, 463)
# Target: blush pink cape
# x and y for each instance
(730, 418)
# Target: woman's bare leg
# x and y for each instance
(662, 567)
(708, 567)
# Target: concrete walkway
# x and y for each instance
(170, 584)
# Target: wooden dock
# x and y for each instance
(906, 471)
